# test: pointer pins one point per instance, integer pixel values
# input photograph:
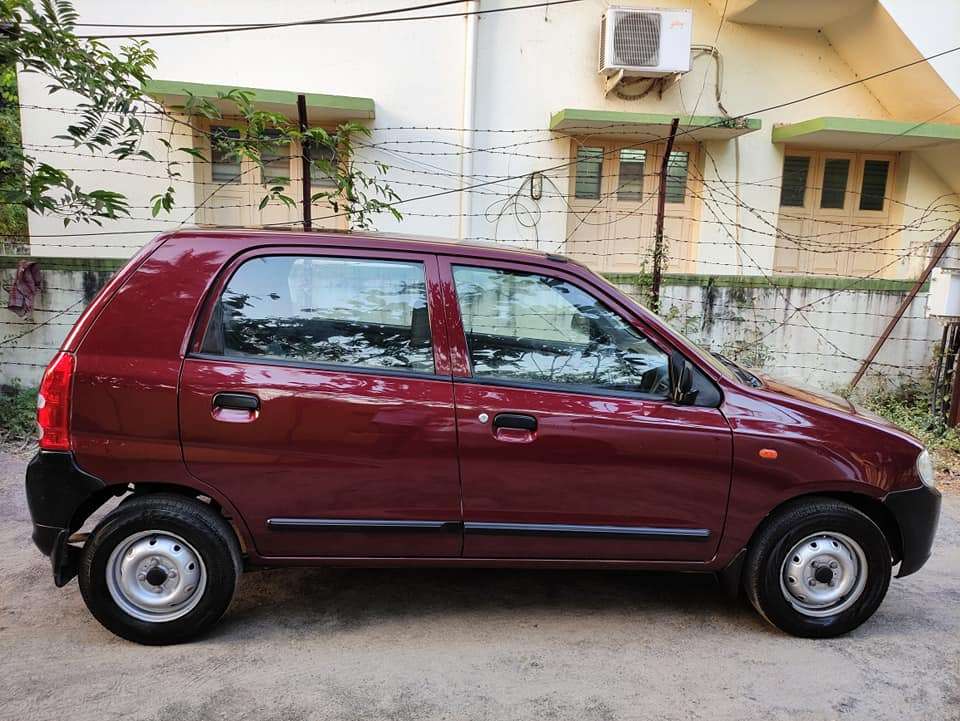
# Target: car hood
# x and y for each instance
(809, 395)
(831, 401)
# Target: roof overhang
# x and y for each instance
(648, 126)
(320, 108)
(793, 14)
(860, 134)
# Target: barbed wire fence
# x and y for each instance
(756, 314)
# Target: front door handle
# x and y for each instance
(514, 427)
(237, 401)
(517, 421)
(235, 407)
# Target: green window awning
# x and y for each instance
(320, 108)
(615, 124)
(859, 134)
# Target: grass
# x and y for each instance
(18, 412)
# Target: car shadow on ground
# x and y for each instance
(351, 598)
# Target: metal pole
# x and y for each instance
(953, 412)
(946, 341)
(305, 158)
(661, 207)
(937, 256)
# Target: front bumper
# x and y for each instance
(918, 513)
(60, 497)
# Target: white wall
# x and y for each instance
(412, 70)
(552, 62)
(758, 325)
(932, 26)
(822, 347)
(530, 63)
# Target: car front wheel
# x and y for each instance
(160, 569)
(817, 569)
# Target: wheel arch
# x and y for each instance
(871, 507)
(133, 490)
(732, 575)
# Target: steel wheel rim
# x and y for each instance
(156, 576)
(804, 574)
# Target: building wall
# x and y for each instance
(529, 64)
(413, 70)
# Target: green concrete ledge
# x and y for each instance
(778, 281)
(108, 265)
(864, 134)
(320, 107)
(614, 123)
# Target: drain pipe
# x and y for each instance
(466, 115)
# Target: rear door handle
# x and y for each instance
(516, 421)
(236, 401)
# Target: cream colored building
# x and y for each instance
(794, 165)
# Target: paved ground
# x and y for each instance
(398, 645)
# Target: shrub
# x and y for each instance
(908, 406)
(18, 412)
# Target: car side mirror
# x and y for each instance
(681, 380)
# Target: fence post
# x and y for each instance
(305, 158)
(937, 255)
(661, 206)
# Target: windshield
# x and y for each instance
(722, 364)
(742, 373)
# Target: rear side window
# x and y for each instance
(533, 328)
(365, 313)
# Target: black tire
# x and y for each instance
(209, 535)
(781, 533)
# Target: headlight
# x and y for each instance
(925, 469)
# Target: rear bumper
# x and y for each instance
(918, 513)
(60, 497)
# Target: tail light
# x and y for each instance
(53, 403)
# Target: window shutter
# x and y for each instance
(589, 173)
(835, 174)
(793, 189)
(874, 184)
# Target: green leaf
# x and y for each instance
(195, 152)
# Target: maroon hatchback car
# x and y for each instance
(277, 398)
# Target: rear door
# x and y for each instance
(569, 447)
(318, 399)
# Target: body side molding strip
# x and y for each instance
(350, 524)
(518, 529)
(561, 529)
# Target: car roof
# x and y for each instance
(253, 236)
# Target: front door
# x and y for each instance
(319, 401)
(569, 448)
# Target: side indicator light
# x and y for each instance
(769, 454)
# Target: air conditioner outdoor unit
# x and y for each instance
(645, 42)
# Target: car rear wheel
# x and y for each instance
(817, 569)
(160, 569)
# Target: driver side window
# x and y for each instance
(530, 327)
